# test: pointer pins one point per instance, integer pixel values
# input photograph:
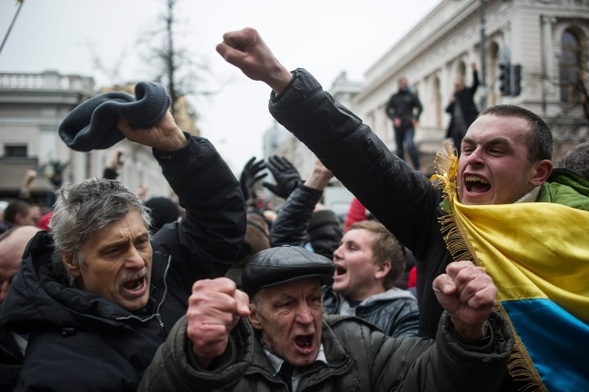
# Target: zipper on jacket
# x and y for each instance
(156, 313)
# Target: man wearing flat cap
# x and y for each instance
(275, 337)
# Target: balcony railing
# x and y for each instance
(45, 81)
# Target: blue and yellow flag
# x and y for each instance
(538, 256)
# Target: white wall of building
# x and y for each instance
(441, 47)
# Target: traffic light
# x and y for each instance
(517, 80)
(505, 79)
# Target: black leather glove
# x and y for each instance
(285, 174)
(250, 175)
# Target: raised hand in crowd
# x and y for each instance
(285, 174)
(252, 173)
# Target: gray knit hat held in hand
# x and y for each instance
(92, 125)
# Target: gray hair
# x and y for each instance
(82, 209)
(577, 160)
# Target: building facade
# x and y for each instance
(547, 39)
(536, 35)
(32, 106)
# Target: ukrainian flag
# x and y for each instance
(538, 256)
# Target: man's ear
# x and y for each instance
(542, 172)
(71, 264)
(254, 317)
(382, 270)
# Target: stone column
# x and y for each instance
(548, 49)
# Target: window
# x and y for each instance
(15, 151)
(570, 67)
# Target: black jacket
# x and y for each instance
(402, 105)
(395, 311)
(298, 224)
(10, 360)
(465, 99)
(80, 341)
(402, 199)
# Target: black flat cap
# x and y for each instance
(282, 264)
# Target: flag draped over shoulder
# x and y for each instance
(538, 256)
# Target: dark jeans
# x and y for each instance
(404, 138)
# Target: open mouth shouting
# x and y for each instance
(339, 270)
(305, 343)
(134, 285)
(474, 189)
(476, 184)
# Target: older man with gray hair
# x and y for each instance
(97, 295)
(281, 340)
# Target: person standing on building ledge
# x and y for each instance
(462, 109)
(404, 108)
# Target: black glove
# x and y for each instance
(249, 177)
(285, 174)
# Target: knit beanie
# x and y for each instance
(93, 124)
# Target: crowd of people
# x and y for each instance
(214, 292)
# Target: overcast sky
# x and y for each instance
(324, 36)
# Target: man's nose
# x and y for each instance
(337, 254)
(134, 259)
(475, 157)
(304, 314)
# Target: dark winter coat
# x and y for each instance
(359, 358)
(80, 341)
(378, 178)
(465, 99)
(403, 104)
(298, 224)
(10, 360)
